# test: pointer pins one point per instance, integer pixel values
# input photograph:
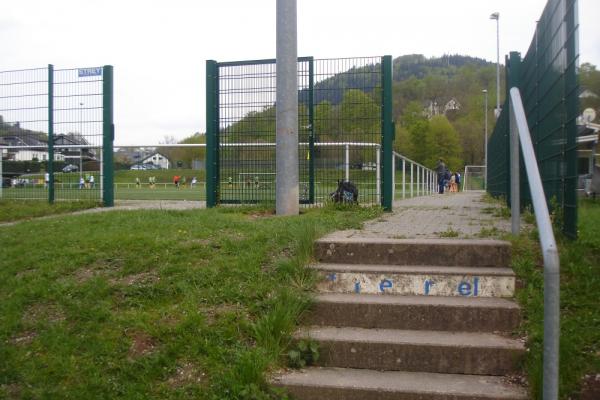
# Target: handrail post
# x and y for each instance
(393, 178)
(411, 178)
(403, 178)
(378, 173)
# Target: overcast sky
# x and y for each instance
(159, 48)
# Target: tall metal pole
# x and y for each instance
(485, 141)
(286, 181)
(496, 16)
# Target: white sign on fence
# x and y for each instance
(85, 72)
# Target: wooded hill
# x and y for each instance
(344, 112)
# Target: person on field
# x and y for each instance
(457, 181)
(137, 182)
(46, 179)
(194, 181)
(440, 170)
(91, 181)
(176, 181)
(81, 183)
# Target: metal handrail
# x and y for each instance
(425, 177)
(519, 133)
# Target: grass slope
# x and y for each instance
(154, 304)
(580, 304)
(12, 210)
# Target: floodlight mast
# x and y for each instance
(287, 192)
(496, 16)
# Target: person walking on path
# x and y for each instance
(453, 183)
(440, 170)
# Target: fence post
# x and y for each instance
(387, 128)
(108, 137)
(347, 162)
(212, 132)
(50, 165)
(515, 192)
(311, 136)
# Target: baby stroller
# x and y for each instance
(346, 192)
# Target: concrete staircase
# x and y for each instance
(411, 319)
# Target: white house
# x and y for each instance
(30, 155)
(157, 159)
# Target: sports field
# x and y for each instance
(250, 188)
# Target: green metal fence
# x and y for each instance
(547, 79)
(56, 134)
(345, 129)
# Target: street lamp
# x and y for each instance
(496, 16)
(485, 160)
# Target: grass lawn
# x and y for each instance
(13, 210)
(154, 304)
(580, 302)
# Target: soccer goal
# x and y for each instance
(474, 179)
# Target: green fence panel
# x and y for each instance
(53, 134)
(341, 129)
(24, 119)
(547, 79)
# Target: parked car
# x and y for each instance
(137, 167)
(70, 168)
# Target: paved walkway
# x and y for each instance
(456, 215)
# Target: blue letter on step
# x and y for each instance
(428, 285)
(385, 284)
(464, 288)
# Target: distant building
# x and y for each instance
(74, 154)
(434, 108)
(26, 148)
(588, 137)
(585, 94)
(157, 159)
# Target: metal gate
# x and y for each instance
(56, 134)
(345, 129)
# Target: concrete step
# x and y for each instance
(434, 313)
(445, 252)
(416, 280)
(415, 351)
(354, 384)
